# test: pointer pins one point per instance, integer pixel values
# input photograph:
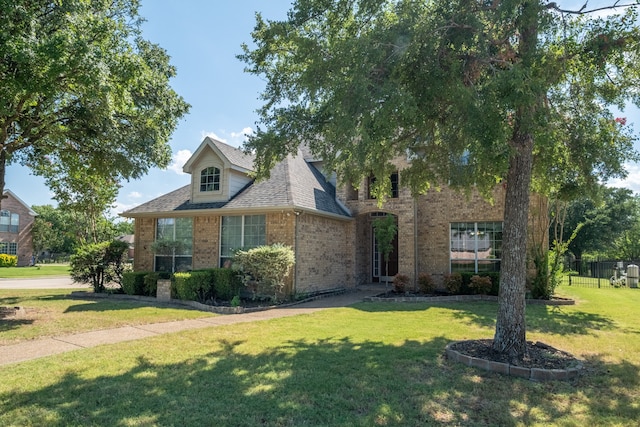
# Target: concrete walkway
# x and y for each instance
(35, 349)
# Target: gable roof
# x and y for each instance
(234, 157)
(8, 192)
(293, 184)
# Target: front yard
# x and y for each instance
(370, 364)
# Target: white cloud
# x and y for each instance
(235, 139)
(243, 133)
(632, 181)
(134, 195)
(212, 135)
(178, 161)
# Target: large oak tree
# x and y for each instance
(81, 92)
(519, 92)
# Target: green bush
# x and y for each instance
(194, 285)
(151, 283)
(133, 282)
(265, 266)
(7, 260)
(100, 264)
(226, 283)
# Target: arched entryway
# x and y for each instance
(382, 270)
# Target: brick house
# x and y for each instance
(16, 222)
(329, 229)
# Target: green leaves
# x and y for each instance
(364, 81)
(78, 85)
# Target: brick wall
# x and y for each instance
(145, 232)
(206, 241)
(436, 211)
(23, 237)
(324, 251)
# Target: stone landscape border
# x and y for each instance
(533, 374)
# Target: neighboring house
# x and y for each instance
(330, 231)
(130, 240)
(16, 223)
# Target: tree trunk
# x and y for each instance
(510, 337)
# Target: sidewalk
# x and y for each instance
(35, 349)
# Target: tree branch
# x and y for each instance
(584, 11)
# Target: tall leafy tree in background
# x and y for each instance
(604, 219)
(518, 89)
(61, 230)
(78, 81)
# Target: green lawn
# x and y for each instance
(370, 364)
(51, 312)
(40, 270)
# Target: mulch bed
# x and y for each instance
(539, 355)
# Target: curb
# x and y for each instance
(532, 374)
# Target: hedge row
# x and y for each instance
(466, 281)
(141, 283)
(205, 285)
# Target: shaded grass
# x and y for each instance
(41, 270)
(51, 312)
(367, 365)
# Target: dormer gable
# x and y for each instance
(218, 171)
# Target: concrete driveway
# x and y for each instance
(40, 283)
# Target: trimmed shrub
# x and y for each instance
(266, 266)
(7, 260)
(468, 289)
(400, 282)
(453, 282)
(194, 285)
(133, 282)
(426, 284)
(480, 284)
(151, 283)
(226, 283)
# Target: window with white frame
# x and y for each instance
(9, 221)
(176, 235)
(9, 248)
(475, 246)
(241, 232)
(210, 179)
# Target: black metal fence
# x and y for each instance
(597, 274)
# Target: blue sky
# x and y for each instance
(203, 38)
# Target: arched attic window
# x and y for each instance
(210, 179)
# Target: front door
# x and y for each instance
(383, 271)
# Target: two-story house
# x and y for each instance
(330, 230)
(16, 222)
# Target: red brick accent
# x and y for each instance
(23, 237)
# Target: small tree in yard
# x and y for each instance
(99, 264)
(267, 266)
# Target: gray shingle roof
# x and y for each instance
(293, 183)
(236, 156)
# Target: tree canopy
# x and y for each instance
(604, 220)
(518, 92)
(81, 90)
